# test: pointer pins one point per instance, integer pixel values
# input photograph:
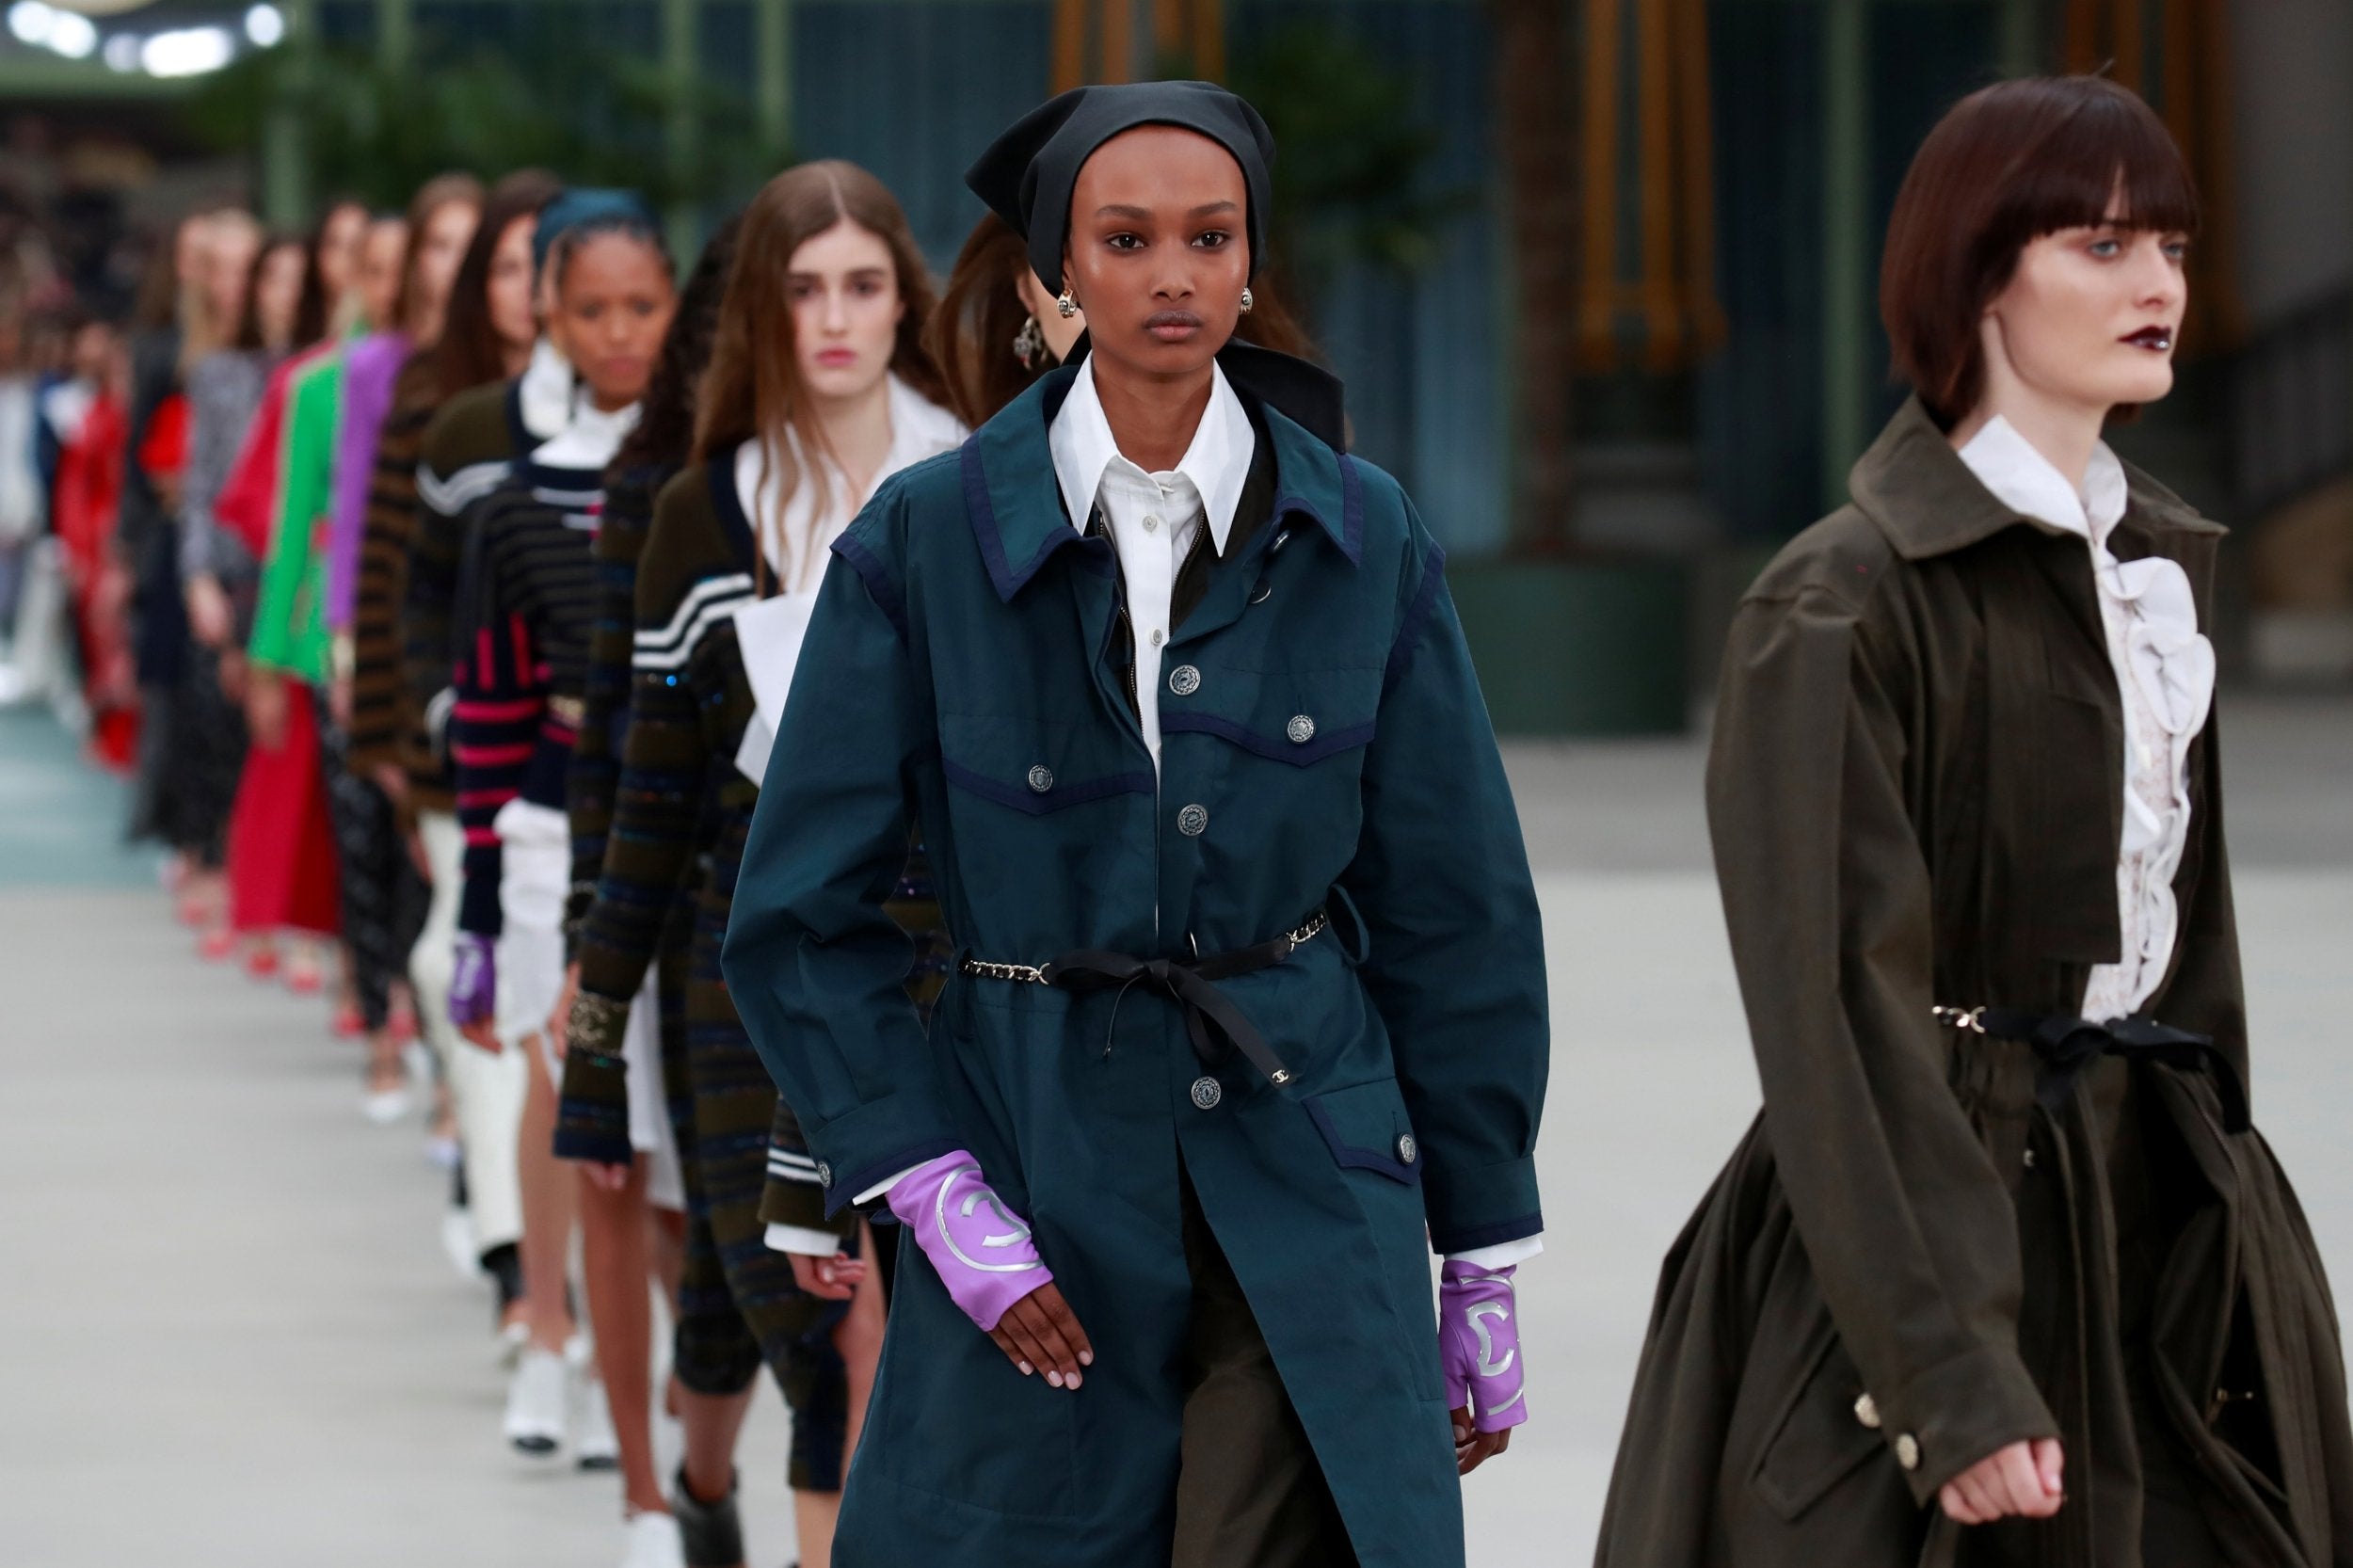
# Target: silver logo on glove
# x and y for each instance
(988, 1240)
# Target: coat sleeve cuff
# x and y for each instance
(1957, 1413)
(1483, 1208)
(592, 1112)
(877, 1140)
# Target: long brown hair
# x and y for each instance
(469, 353)
(249, 323)
(316, 316)
(980, 313)
(442, 190)
(753, 386)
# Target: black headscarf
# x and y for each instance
(1028, 174)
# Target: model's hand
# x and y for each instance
(473, 986)
(1479, 1349)
(339, 702)
(393, 780)
(606, 1178)
(265, 706)
(830, 1279)
(985, 1256)
(211, 621)
(1473, 1447)
(2022, 1480)
(1040, 1334)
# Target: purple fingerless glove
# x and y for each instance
(474, 983)
(981, 1248)
(1479, 1345)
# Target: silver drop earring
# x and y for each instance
(1246, 301)
(1029, 344)
(1065, 303)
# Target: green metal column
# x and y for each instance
(2021, 39)
(395, 35)
(679, 39)
(772, 38)
(1846, 245)
(285, 155)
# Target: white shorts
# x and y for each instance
(536, 855)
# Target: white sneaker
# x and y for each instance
(535, 1404)
(384, 1107)
(652, 1542)
(595, 1447)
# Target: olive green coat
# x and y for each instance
(1915, 799)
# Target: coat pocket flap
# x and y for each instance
(1295, 716)
(1821, 1440)
(1037, 768)
(1367, 1129)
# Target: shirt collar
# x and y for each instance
(2022, 478)
(590, 438)
(920, 428)
(1217, 462)
(547, 391)
(1915, 487)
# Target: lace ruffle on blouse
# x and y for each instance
(2164, 673)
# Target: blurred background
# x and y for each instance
(1601, 273)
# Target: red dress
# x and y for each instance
(83, 508)
(282, 844)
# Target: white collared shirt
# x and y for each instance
(2165, 676)
(589, 439)
(1154, 519)
(549, 390)
(797, 535)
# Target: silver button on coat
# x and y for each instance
(1406, 1148)
(1194, 821)
(1041, 778)
(1184, 681)
(1300, 729)
(1207, 1092)
(1908, 1450)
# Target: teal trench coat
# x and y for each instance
(1325, 748)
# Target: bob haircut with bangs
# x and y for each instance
(2008, 164)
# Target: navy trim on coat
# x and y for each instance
(1279, 748)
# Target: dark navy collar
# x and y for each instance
(1014, 503)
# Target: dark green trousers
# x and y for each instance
(1250, 1494)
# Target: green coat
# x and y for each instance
(961, 671)
(290, 632)
(1916, 796)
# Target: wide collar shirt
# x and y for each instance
(2164, 673)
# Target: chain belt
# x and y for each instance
(1216, 1026)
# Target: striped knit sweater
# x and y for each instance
(469, 449)
(386, 723)
(592, 1113)
(527, 599)
(680, 796)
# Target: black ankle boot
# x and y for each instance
(712, 1532)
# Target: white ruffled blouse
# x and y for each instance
(2164, 673)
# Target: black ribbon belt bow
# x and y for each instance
(1216, 1026)
(2068, 1044)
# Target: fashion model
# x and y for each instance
(1249, 1007)
(2001, 1275)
